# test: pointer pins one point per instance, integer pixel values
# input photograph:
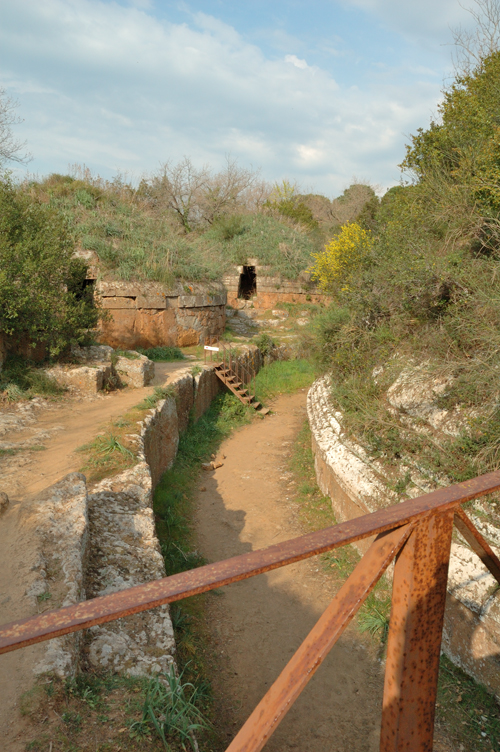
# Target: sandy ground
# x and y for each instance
(62, 427)
(259, 623)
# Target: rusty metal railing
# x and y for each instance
(415, 533)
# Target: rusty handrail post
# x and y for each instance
(415, 631)
(299, 670)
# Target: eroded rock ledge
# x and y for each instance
(356, 486)
(92, 544)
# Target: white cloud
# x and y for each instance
(294, 60)
(116, 88)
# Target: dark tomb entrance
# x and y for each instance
(248, 283)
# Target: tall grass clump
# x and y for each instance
(22, 379)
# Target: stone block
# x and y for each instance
(118, 302)
(136, 371)
(153, 300)
(91, 379)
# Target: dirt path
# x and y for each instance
(259, 623)
(61, 428)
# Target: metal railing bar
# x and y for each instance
(169, 589)
(299, 670)
(415, 634)
(478, 544)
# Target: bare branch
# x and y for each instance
(473, 46)
(10, 149)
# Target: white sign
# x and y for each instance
(214, 349)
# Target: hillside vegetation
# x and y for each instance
(427, 290)
(180, 225)
(192, 225)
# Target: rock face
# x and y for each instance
(125, 552)
(146, 314)
(57, 522)
(356, 486)
(90, 379)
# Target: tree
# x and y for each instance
(10, 148)
(197, 196)
(178, 188)
(230, 190)
(473, 46)
(41, 285)
(286, 200)
(456, 161)
(358, 203)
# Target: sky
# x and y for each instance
(320, 92)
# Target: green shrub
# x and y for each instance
(265, 343)
(39, 294)
(162, 354)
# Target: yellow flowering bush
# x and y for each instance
(344, 253)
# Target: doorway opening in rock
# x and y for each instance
(248, 283)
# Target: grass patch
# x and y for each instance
(173, 507)
(162, 354)
(106, 713)
(283, 377)
(470, 715)
(171, 711)
(106, 455)
(21, 379)
(159, 393)
(174, 493)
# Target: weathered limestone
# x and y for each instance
(91, 379)
(58, 525)
(124, 548)
(136, 371)
(356, 486)
(4, 502)
(125, 552)
(103, 369)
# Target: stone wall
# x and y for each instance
(84, 545)
(124, 548)
(272, 289)
(471, 636)
(148, 315)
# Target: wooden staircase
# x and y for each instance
(230, 379)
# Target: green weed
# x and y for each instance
(171, 710)
(469, 713)
(283, 377)
(159, 393)
(21, 379)
(162, 354)
(106, 455)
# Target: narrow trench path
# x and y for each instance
(258, 624)
(62, 427)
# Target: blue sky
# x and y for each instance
(319, 92)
